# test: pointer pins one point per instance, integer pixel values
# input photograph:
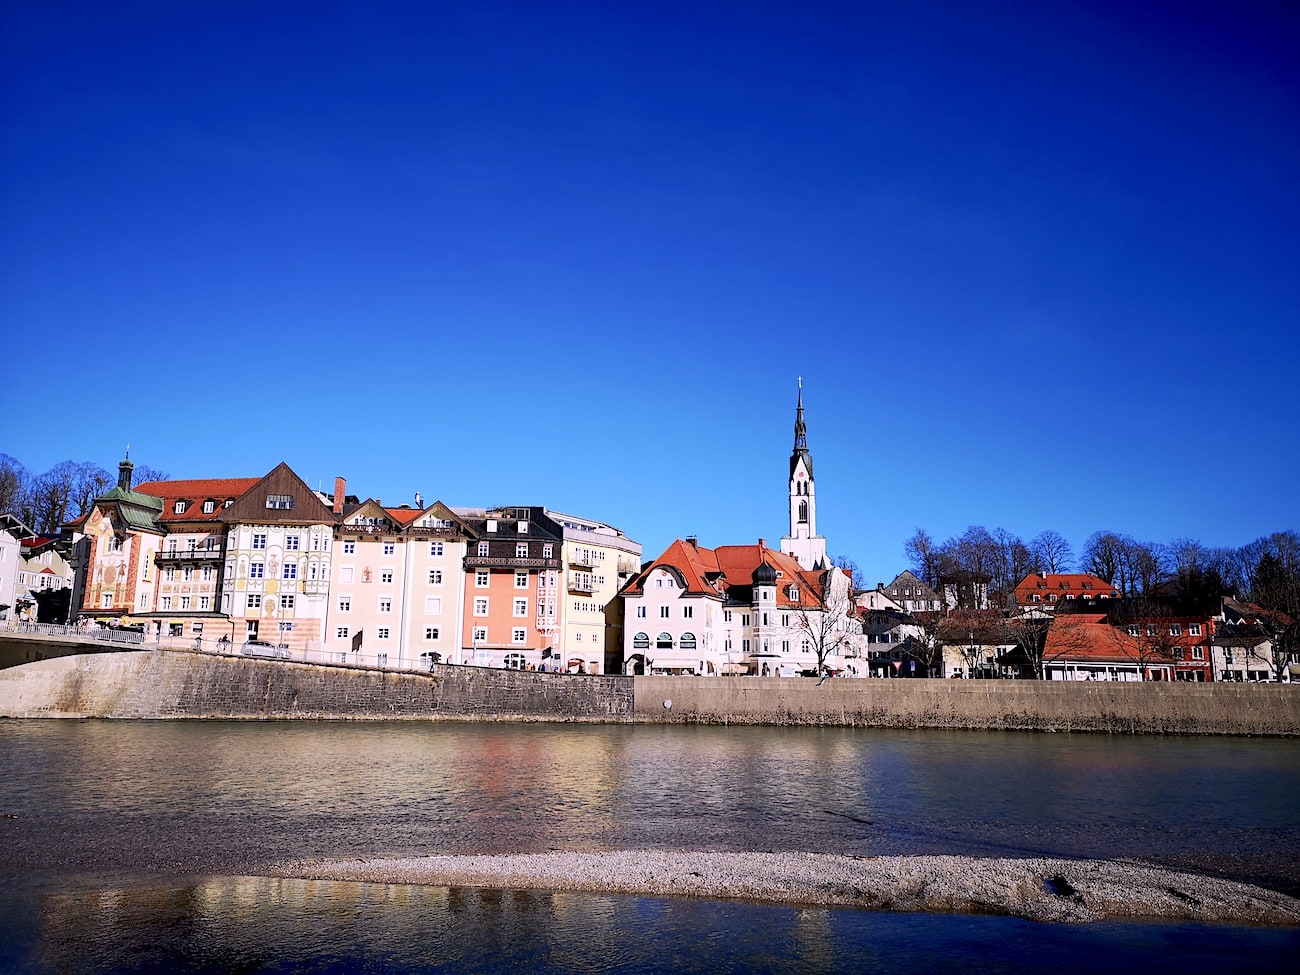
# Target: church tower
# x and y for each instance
(803, 542)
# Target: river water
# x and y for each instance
(134, 846)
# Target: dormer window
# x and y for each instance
(180, 507)
(209, 506)
(523, 528)
(794, 594)
(491, 525)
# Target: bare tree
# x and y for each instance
(1030, 630)
(850, 569)
(824, 616)
(13, 484)
(1051, 552)
(144, 474)
(923, 556)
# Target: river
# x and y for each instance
(135, 846)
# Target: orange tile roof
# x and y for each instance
(1087, 636)
(735, 564)
(403, 516)
(1078, 584)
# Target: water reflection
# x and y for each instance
(188, 797)
(259, 924)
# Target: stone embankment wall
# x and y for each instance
(1126, 708)
(181, 684)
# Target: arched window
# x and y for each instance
(640, 642)
(803, 511)
(687, 641)
(664, 641)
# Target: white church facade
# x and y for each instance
(747, 609)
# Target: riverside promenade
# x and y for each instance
(168, 683)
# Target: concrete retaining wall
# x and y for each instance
(181, 684)
(1129, 708)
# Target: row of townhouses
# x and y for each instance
(268, 561)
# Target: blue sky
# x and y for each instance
(1037, 263)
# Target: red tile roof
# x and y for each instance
(403, 516)
(1062, 585)
(196, 492)
(1088, 637)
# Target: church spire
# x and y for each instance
(803, 542)
(800, 428)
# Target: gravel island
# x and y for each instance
(1040, 889)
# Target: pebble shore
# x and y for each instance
(1040, 889)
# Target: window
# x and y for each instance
(481, 606)
(480, 635)
(290, 570)
(107, 600)
(286, 600)
(381, 632)
(209, 507)
(521, 550)
(205, 602)
(640, 612)
(179, 507)
(518, 635)
(1198, 653)
(663, 612)
(341, 633)
(254, 600)
(187, 573)
(546, 551)
(390, 548)
(1132, 630)
(169, 574)
(431, 633)
(744, 645)
(1194, 629)
(481, 579)
(521, 607)
(435, 577)
(641, 642)
(1175, 629)
(491, 525)
(386, 576)
(688, 612)
(349, 547)
(291, 543)
(259, 540)
(744, 619)
(167, 602)
(435, 548)
(345, 604)
(432, 605)
(385, 604)
(284, 502)
(521, 580)
(257, 570)
(185, 602)
(687, 641)
(726, 616)
(482, 549)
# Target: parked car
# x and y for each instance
(263, 648)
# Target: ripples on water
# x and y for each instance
(188, 798)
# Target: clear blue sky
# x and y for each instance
(1037, 263)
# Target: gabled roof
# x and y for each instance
(251, 506)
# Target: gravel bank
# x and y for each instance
(1040, 889)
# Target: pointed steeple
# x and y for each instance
(800, 438)
(803, 542)
(124, 471)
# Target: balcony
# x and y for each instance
(581, 562)
(314, 587)
(508, 562)
(585, 586)
(189, 555)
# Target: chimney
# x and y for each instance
(340, 486)
(694, 541)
